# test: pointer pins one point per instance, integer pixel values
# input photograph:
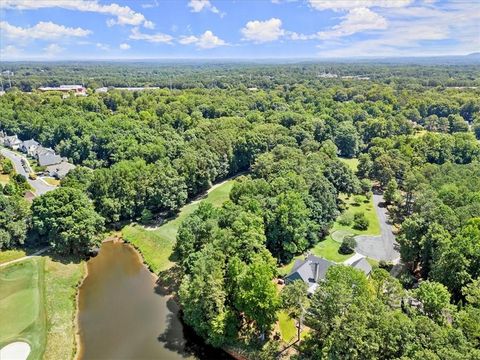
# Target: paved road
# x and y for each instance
(39, 185)
(384, 246)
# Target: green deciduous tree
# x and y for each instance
(66, 218)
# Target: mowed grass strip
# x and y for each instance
(61, 281)
(156, 246)
(22, 311)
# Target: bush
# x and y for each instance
(146, 217)
(348, 245)
(360, 221)
(7, 166)
(345, 219)
(358, 199)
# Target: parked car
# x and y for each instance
(32, 176)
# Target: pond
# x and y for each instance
(123, 316)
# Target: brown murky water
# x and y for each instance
(121, 316)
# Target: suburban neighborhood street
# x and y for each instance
(380, 247)
(39, 185)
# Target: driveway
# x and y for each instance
(384, 246)
(39, 185)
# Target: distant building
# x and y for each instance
(29, 147)
(313, 269)
(76, 89)
(60, 170)
(12, 142)
(101, 90)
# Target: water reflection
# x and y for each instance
(123, 315)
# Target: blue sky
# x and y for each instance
(136, 29)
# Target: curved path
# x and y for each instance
(380, 247)
(39, 185)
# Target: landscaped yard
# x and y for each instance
(328, 249)
(22, 310)
(288, 330)
(61, 280)
(51, 181)
(156, 245)
(365, 207)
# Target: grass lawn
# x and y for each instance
(51, 181)
(61, 280)
(22, 310)
(352, 163)
(364, 207)
(156, 245)
(288, 331)
(328, 249)
(4, 179)
(9, 255)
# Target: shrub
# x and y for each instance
(348, 245)
(358, 199)
(146, 217)
(360, 221)
(345, 219)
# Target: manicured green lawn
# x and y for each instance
(9, 255)
(328, 249)
(22, 311)
(156, 245)
(352, 163)
(288, 331)
(364, 207)
(61, 280)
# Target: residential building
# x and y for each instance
(48, 158)
(12, 142)
(313, 269)
(60, 170)
(29, 147)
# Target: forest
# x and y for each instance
(286, 132)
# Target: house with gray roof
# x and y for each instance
(60, 170)
(48, 158)
(29, 147)
(12, 142)
(313, 269)
(363, 265)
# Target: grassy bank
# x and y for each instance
(156, 245)
(61, 281)
(22, 310)
(9, 255)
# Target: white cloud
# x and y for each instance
(153, 38)
(356, 20)
(124, 46)
(10, 52)
(200, 5)
(205, 41)
(418, 31)
(53, 49)
(338, 5)
(101, 46)
(41, 31)
(123, 14)
(263, 31)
